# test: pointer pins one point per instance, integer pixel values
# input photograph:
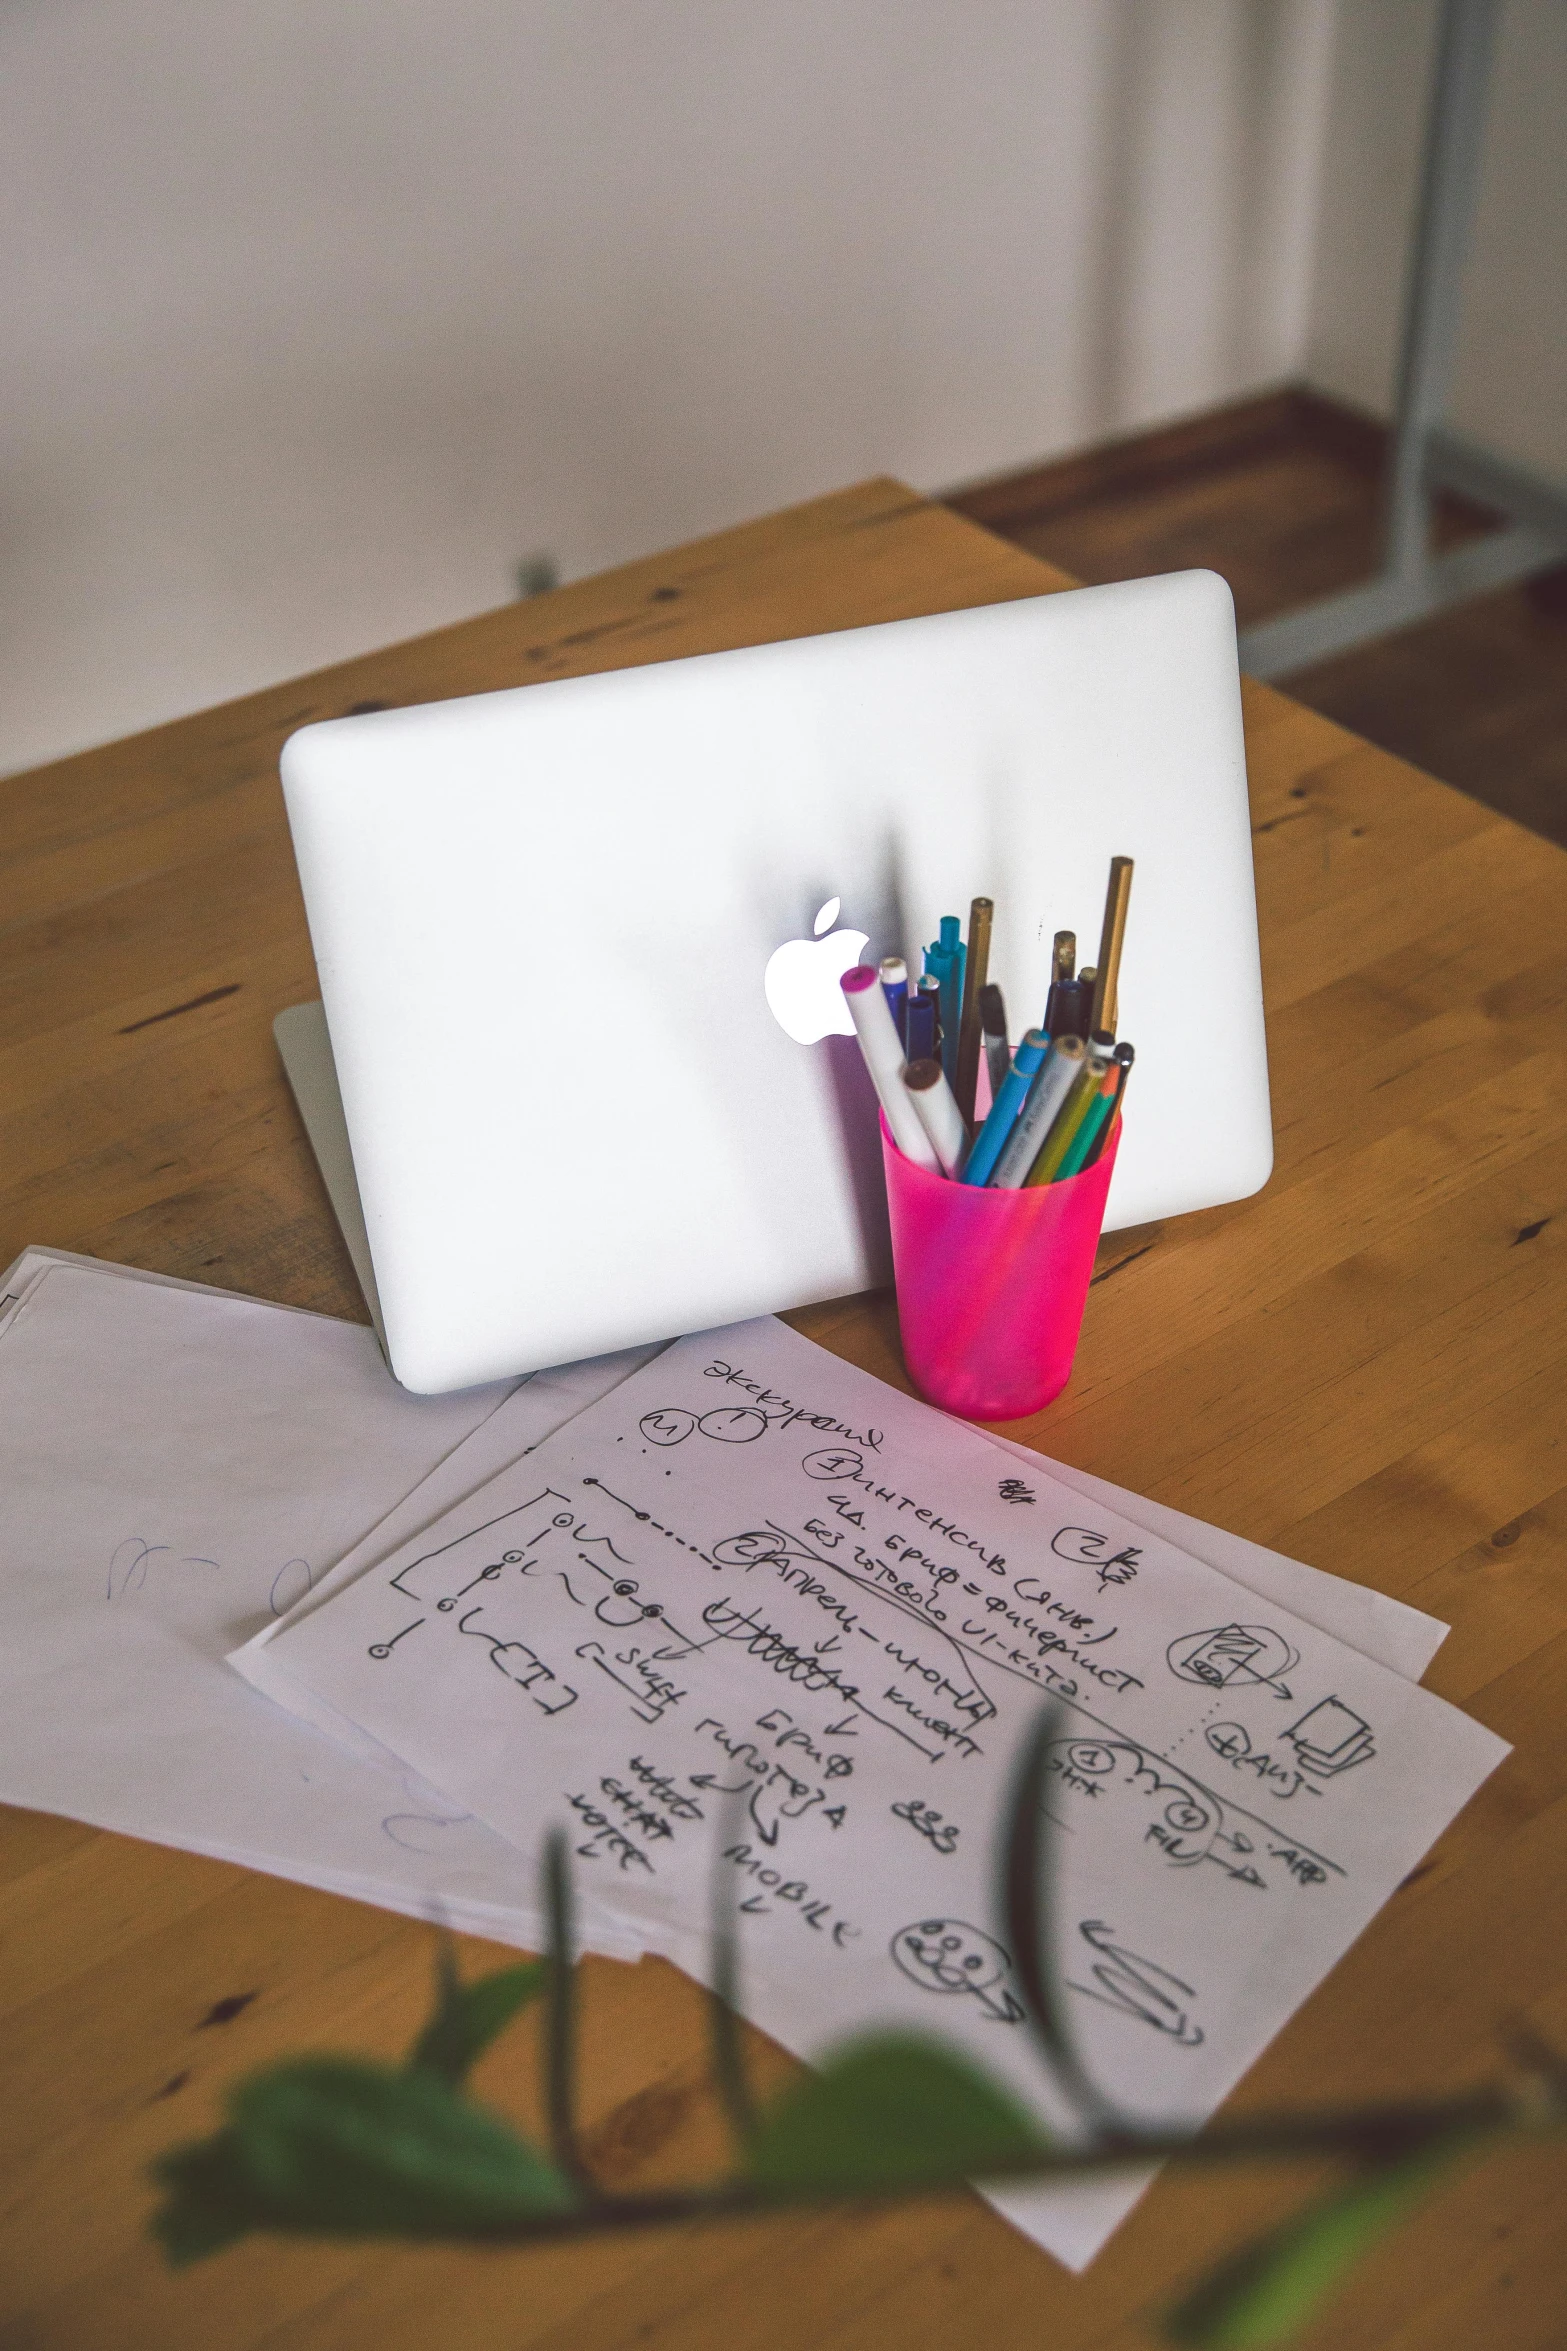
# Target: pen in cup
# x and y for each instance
(993, 1028)
(895, 987)
(991, 1139)
(976, 970)
(936, 1104)
(883, 1051)
(1038, 1115)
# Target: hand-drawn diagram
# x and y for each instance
(128, 1566)
(767, 1546)
(425, 1832)
(641, 1673)
(1231, 1653)
(772, 1792)
(545, 1537)
(521, 1665)
(1091, 1549)
(383, 1649)
(949, 1706)
(834, 1461)
(670, 1426)
(289, 1586)
(929, 1824)
(1331, 1737)
(730, 1424)
(948, 1955)
(129, 1562)
(434, 1828)
(1161, 1804)
(1137, 1987)
(1232, 1742)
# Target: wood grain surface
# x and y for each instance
(1364, 1366)
(1285, 493)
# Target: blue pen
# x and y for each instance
(944, 961)
(895, 987)
(992, 1136)
(920, 1030)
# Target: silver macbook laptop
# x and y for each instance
(579, 946)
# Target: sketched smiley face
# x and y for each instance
(947, 1955)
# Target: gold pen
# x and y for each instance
(976, 970)
(1107, 971)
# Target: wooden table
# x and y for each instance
(1365, 1366)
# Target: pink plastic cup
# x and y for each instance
(992, 1284)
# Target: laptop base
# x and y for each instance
(306, 1048)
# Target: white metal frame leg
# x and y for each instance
(1427, 454)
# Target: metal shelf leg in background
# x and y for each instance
(1427, 454)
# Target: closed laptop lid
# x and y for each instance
(543, 919)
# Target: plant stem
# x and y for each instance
(1368, 2135)
(560, 2025)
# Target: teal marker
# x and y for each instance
(945, 960)
(1084, 1143)
(992, 1136)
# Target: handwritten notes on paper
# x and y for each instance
(754, 1602)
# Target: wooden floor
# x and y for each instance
(1281, 495)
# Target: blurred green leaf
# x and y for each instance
(331, 2146)
(467, 2017)
(890, 2112)
(211, 2200)
(360, 2147)
(1265, 2293)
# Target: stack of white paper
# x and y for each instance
(735, 1595)
(753, 1599)
(178, 1466)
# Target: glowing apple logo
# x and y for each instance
(801, 980)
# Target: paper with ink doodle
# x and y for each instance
(757, 1603)
(177, 1466)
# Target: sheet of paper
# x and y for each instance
(1402, 1637)
(756, 1598)
(176, 1464)
(533, 1411)
(1398, 1636)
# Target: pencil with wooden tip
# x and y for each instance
(1069, 1118)
(976, 970)
(1107, 971)
(933, 1098)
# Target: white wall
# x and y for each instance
(320, 313)
(1510, 387)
